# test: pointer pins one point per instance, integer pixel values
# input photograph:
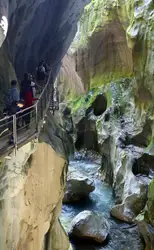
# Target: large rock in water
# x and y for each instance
(133, 203)
(78, 187)
(90, 225)
(145, 221)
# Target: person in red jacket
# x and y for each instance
(28, 101)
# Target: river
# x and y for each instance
(122, 236)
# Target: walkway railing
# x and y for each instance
(25, 124)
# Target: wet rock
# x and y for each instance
(86, 135)
(77, 188)
(142, 139)
(150, 203)
(90, 225)
(122, 213)
(54, 134)
(147, 232)
(132, 204)
(143, 165)
(146, 220)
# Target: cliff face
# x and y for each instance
(31, 30)
(115, 39)
(113, 54)
(32, 189)
(33, 181)
(29, 208)
(37, 29)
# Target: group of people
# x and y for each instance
(21, 100)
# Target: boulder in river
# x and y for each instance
(90, 225)
(77, 188)
(133, 203)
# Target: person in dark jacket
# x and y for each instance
(41, 72)
(23, 86)
(12, 105)
(28, 102)
(13, 95)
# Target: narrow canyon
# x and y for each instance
(80, 176)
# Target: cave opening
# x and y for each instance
(143, 165)
(86, 135)
(99, 105)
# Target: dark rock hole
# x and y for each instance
(99, 105)
(144, 165)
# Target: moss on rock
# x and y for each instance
(150, 203)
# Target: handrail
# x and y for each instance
(31, 116)
(34, 105)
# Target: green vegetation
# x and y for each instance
(85, 101)
(150, 203)
(114, 92)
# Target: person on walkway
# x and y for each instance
(28, 101)
(47, 69)
(12, 99)
(33, 86)
(41, 72)
(12, 106)
(24, 85)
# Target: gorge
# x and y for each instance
(101, 53)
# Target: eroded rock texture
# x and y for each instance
(113, 54)
(31, 192)
(114, 41)
(28, 207)
(90, 225)
(41, 29)
(31, 30)
(32, 184)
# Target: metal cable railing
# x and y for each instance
(26, 123)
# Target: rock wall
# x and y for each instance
(32, 189)
(32, 30)
(113, 54)
(32, 184)
(38, 29)
(29, 207)
(114, 41)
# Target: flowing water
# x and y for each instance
(122, 235)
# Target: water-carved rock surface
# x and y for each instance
(32, 189)
(31, 30)
(77, 188)
(113, 55)
(34, 195)
(90, 225)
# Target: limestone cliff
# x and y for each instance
(31, 30)
(113, 54)
(32, 189)
(115, 39)
(33, 180)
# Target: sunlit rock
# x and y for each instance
(91, 226)
(77, 188)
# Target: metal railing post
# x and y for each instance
(15, 131)
(36, 110)
(44, 101)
